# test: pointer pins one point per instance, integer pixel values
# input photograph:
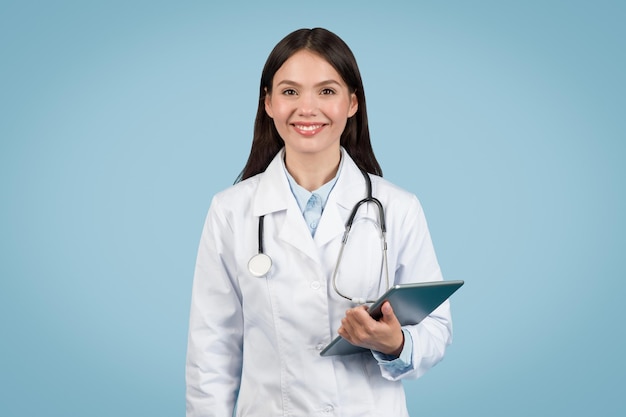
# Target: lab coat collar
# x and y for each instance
(349, 189)
(273, 195)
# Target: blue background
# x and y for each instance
(120, 119)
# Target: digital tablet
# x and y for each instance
(411, 303)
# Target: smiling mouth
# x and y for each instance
(308, 129)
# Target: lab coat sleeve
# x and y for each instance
(417, 262)
(214, 353)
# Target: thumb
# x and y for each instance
(388, 314)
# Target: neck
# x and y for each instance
(311, 172)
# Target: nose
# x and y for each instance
(307, 105)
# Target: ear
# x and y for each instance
(354, 105)
(268, 104)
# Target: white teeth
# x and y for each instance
(308, 128)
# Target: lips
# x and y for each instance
(308, 129)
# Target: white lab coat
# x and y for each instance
(254, 343)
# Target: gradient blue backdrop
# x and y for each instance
(120, 119)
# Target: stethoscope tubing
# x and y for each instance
(260, 264)
(344, 240)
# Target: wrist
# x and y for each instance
(396, 352)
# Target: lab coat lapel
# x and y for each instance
(295, 232)
(273, 195)
(349, 189)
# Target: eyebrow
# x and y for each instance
(321, 83)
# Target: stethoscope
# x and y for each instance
(260, 264)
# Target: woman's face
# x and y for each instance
(310, 104)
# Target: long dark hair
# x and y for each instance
(355, 138)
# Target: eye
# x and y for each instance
(327, 91)
(289, 92)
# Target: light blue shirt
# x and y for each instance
(312, 205)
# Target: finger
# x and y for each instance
(359, 324)
(348, 326)
(359, 316)
(348, 334)
(360, 330)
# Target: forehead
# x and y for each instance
(306, 67)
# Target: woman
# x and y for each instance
(256, 332)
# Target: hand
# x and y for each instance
(384, 335)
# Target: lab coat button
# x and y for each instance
(315, 285)
(328, 409)
(319, 346)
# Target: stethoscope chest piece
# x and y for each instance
(259, 265)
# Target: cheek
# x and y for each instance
(280, 111)
(342, 111)
(340, 115)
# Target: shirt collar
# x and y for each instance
(303, 195)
